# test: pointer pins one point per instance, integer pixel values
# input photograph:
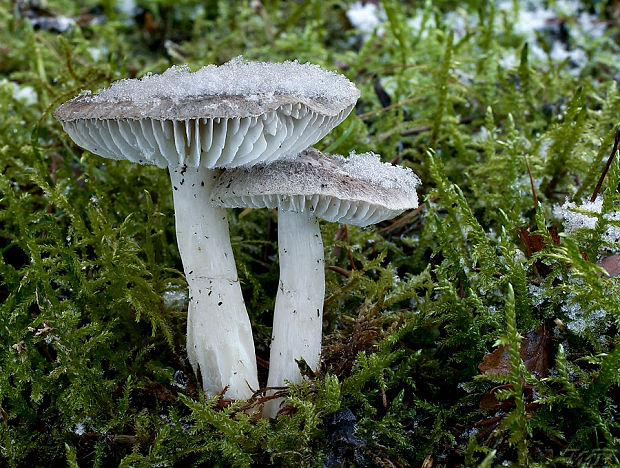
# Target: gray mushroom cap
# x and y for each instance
(237, 114)
(358, 190)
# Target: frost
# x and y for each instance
(80, 429)
(365, 17)
(580, 316)
(127, 7)
(97, 53)
(179, 379)
(359, 178)
(368, 167)
(234, 78)
(53, 23)
(24, 94)
(468, 387)
(577, 57)
(175, 299)
(579, 321)
(533, 19)
(584, 216)
(536, 294)
(591, 25)
(457, 23)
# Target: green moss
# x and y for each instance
(92, 368)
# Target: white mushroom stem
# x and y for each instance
(219, 334)
(298, 312)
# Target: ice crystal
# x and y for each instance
(235, 78)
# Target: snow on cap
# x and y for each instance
(237, 114)
(234, 89)
(359, 189)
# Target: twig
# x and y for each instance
(393, 106)
(464, 120)
(339, 233)
(607, 166)
(391, 67)
(423, 128)
(529, 172)
(122, 439)
(342, 271)
(262, 362)
(403, 219)
(346, 238)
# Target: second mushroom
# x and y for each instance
(358, 190)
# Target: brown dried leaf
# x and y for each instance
(611, 265)
(496, 363)
(490, 401)
(535, 349)
(535, 242)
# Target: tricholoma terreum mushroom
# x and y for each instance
(237, 114)
(358, 190)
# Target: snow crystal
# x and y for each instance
(591, 25)
(179, 379)
(80, 429)
(577, 57)
(235, 78)
(536, 294)
(530, 20)
(417, 24)
(580, 322)
(25, 94)
(583, 216)
(97, 53)
(53, 23)
(533, 18)
(127, 7)
(368, 167)
(365, 17)
(175, 299)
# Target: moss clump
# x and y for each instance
(92, 299)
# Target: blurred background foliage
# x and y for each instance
(473, 330)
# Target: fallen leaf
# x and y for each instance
(491, 402)
(611, 265)
(535, 349)
(496, 363)
(535, 242)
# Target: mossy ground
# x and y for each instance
(92, 309)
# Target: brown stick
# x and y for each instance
(346, 238)
(529, 172)
(403, 219)
(390, 107)
(342, 271)
(607, 166)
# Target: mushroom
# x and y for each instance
(357, 190)
(237, 114)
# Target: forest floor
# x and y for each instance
(480, 329)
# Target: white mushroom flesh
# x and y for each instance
(205, 142)
(298, 312)
(219, 334)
